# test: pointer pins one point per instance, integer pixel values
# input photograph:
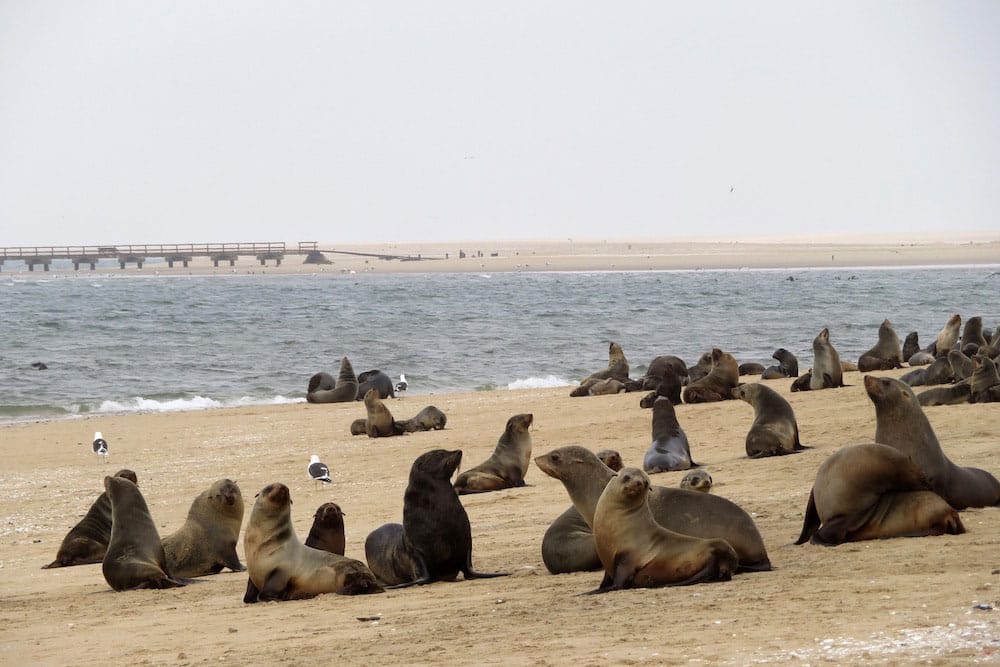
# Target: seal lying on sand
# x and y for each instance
(637, 552)
(718, 383)
(280, 567)
(428, 419)
(866, 492)
(436, 536)
(687, 512)
(774, 430)
(87, 541)
(135, 556)
(670, 449)
(322, 388)
(617, 370)
(507, 465)
(901, 423)
(206, 542)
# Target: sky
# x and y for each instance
(187, 121)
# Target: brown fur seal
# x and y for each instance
(751, 368)
(774, 430)
(507, 465)
(972, 333)
(379, 422)
(670, 449)
(568, 545)
(886, 354)
(280, 567)
(388, 556)
(961, 365)
(948, 336)
(939, 371)
(206, 542)
(606, 387)
(984, 380)
(717, 385)
(911, 345)
(803, 382)
(687, 512)
(344, 390)
(359, 427)
(611, 458)
(135, 556)
(951, 394)
(375, 379)
(787, 361)
(327, 531)
(700, 369)
(697, 480)
(436, 531)
(637, 552)
(87, 541)
(827, 372)
(660, 367)
(901, 423)
(866, 492)
(617, 365)
(430, 418)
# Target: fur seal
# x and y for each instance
(911, 345)
(961, 365)
(866, 492)
(802, 382)
(388, 557)
(617, 365)
(322, 389)
(379, 422)
(718, 383)
(827, 372)
(948, 336)
(637, 552)
(669, 387)
(507, 465)
(687, 512)
(280, 567)
(436, 531)
(606, 387)
(375, 379)
(670, 449)
(984, 381)
(788, 366)
(921, 358)
(774, 430)
(751, 368)
(327, 531)
(359, 426)
(568, 545)
(697, 480)
(914, 378)
(87, 541)
(135, 556)
(430, 418)
(951, 394)
(611, 458)
(939, 371)
(886, 354)
(700, 369)
(660, 367)
(901, 423)
(972, 333)
(206, 542)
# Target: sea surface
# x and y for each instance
(116, 343)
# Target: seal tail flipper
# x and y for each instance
(810, 522)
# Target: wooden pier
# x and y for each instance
(173, 253)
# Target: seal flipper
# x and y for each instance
(810, 522)
(831, 533)
(472, 574)
(232, 561)
(252, 594)
(275, 586)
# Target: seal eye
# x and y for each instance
(554, 458)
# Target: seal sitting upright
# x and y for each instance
(670, 449)
(774, 430)
(637, 552)
(718, 384)
(887, 353)
(827, 372)
(322, 390)
(507, 465)
(206, 542)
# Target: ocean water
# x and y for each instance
(124, 343)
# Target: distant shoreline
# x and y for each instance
(979, 248)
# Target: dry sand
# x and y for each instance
(611, 255)
(898, 601)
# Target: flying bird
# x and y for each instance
(100, 445)
(401, 385)
(319, 472)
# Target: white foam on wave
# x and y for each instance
(539, 383)
(140, 404)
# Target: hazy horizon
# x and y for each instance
(395, 122)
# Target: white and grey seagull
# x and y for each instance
(100, 445)
(318, 472)
(401, 385)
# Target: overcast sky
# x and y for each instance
(245, 120)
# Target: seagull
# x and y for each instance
(100, 445)
(319, 472)
(401, 385)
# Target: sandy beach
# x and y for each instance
(898, 601)
(928, 249)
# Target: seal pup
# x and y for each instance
(379, 422)
(327, 531)
(280, 567)
(697, 480)
(359, 426)
(388, 556)
(718, 383)
(206, 542)
(135, 557)
(87, 541)
(886, 354)
(827, 372)
(507, 465)
(901, 423)
(660, 367)
(872, 491)
(606, 387)
(670, 449)
(687, 512)
(803, 382)
(323, 389)
(436, 527)
(611, 458)
(375, 379)
(911, 345)
(430, 418)
(774, 430)
(637, 552)
(617, 365)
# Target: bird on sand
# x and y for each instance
(318, 472)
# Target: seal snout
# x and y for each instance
(278, 494)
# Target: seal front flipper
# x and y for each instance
(251, 596)
(831, 533)
(275, 586)
(472, 574)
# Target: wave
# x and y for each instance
(140, 404)
(539, 383)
